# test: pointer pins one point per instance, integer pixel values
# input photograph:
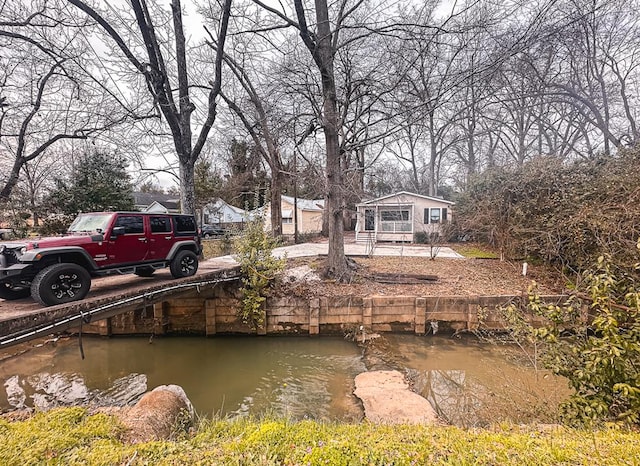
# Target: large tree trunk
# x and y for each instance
(187, 186)
(12, 180)
(276, 203)
(336, 261)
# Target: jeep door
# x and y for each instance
(133, 244)
(161, 238)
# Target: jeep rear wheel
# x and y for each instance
(10, 292)
(60, 283)
(184, 264)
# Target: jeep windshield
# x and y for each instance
(90, 223)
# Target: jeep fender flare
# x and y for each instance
(190, 245)
(38, 256)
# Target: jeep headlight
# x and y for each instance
(2, 248)
(23, 250)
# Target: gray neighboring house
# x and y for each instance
(221, 212)
(156, 202)
(399, 217)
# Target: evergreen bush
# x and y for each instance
(253, 250)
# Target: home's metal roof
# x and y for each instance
(405, 193)
(306, 204)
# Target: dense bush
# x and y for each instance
(55, 225)
(566, 214)
(601, 358)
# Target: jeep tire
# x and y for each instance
(184, 264)
(10, 293)
(60, 283)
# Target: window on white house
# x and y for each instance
(435, 215)
(394, 220)
(287, 220)
(394, 215)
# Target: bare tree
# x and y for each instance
(38, 178)
(262, 131)
(595, 69)
(170, 93)
(322, 43)
(48, 94)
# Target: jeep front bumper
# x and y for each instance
(12, 271)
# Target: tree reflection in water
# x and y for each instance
(471, 384)
(48, 390)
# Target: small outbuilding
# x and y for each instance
(401, 217)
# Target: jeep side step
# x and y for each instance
(130, 269)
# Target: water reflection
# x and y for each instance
(295, 377)
(473, 384)
(45, 390)
(468, 383)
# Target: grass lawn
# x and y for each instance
(71, 436)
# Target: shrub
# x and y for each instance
(420, 237)
(565, 214)
(55, 225)
(597, 350)
(258, 266)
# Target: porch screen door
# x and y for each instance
(369, 220)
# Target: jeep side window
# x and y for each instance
(131, 223)
(160, 224)
(184, 224)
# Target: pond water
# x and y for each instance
(472, 383)
(469, 383)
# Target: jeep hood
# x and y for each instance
(61, 241)
(13, 244)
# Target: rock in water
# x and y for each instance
(387, 399)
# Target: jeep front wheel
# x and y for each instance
(9, 292)
(60, 283)
(184, 264)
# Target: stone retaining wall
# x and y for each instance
(214, 311)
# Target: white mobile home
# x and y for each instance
(399, 217)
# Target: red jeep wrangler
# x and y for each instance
(58, 270)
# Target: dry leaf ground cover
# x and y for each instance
(456, 277)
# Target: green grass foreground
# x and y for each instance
(71, 436)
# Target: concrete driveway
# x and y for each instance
(356, 249)
(350, 248)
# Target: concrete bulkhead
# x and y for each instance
(214, 311)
